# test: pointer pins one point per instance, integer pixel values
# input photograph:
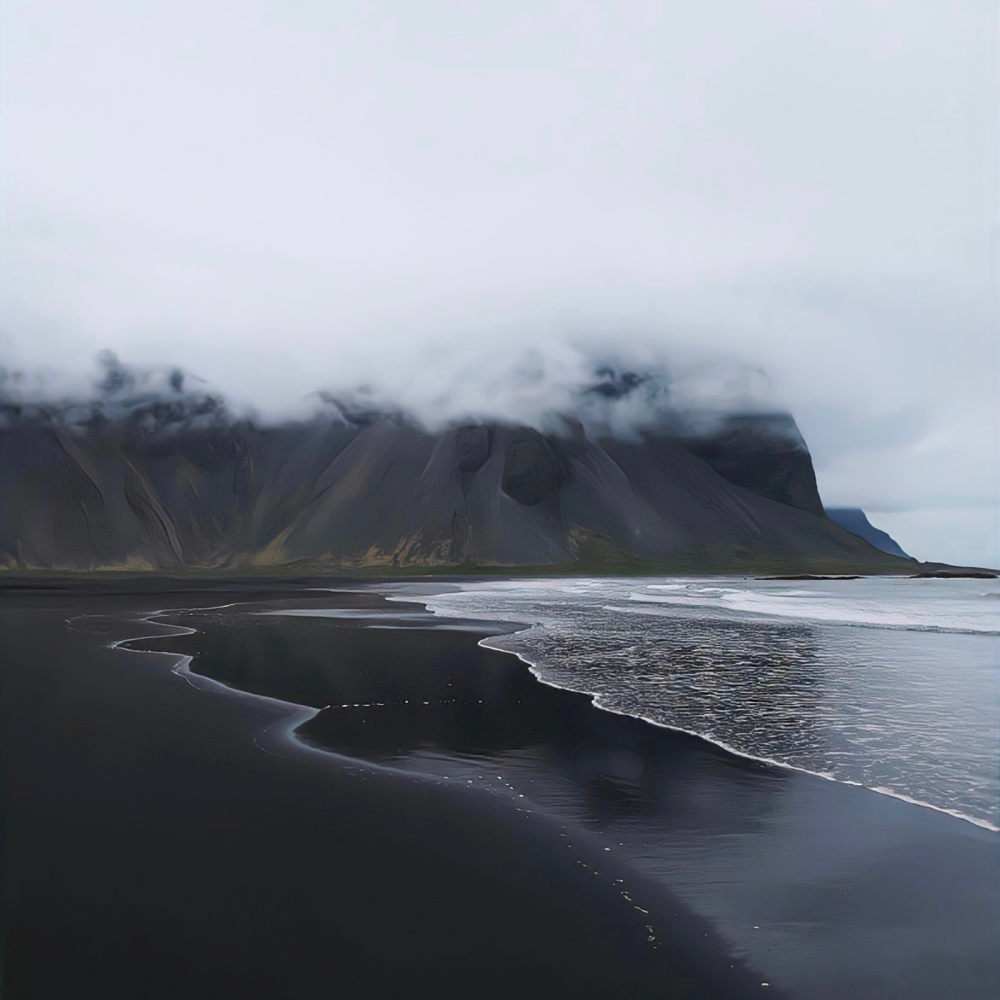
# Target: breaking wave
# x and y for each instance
(904, 705)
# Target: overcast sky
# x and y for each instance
(288, 196)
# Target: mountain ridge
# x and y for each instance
(855, 520)
(367, 491)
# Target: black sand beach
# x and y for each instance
(448, 826)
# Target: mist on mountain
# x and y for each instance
(623, 468)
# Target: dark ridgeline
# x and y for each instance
(169, 482)
(855, 520)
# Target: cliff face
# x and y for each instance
(378, 491)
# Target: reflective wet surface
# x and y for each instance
(839, 891)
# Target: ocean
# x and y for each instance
(892, 684)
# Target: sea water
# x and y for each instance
(888, 683)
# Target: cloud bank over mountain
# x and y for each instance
(536, 389)
(147, 474)
(438, 203)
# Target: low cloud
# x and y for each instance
(610, 393)
(469, 210)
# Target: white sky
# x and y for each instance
(288, 196)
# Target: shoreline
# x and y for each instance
(536, 671)
(722, 745)
(182, 669)
(689, 858)
(709, 837)
(361, 867)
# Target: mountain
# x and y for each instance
(170, 486)
(854, 520)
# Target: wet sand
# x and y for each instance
(440, 822)
(155, 850)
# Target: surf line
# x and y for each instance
(490, 642)
(296, 714)
(595, 700)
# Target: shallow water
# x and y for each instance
(892, 684)
(826, 890)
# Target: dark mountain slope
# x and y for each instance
(766, 454)
(854, 520)
(379, 491)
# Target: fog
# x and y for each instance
(463, 208)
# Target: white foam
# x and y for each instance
(818, 606)
(296, 714)
(359, 613)
(889, 704)
(597, 702)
